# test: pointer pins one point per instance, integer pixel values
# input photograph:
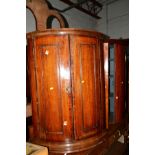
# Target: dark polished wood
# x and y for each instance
(32, 78)
(119, 81)
(28, 94)
(53, 76)
(68, 105)
(106, 74)
(121, 73)
(70, 31)
(86, 86)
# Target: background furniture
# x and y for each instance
(116, 79)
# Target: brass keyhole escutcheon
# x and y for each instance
(68, 89)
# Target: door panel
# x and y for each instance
(86, 86)
(88, 100)
(119, 81)
(52, 86)
(33, 91)
(53, 74)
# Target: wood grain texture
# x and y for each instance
(53, 74)
(33, 90)
(119, 81)
(106, 74)
(87, 91)
(67, 89)
(120, 77)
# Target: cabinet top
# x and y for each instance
(65, 31)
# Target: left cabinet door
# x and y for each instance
(53, 88)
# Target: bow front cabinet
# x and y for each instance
(66, 69)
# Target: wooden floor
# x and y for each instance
(118, 149)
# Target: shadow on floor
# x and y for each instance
(118, 149)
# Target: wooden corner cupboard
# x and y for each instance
(66, 72)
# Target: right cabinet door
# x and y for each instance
(86, 86)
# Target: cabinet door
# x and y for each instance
(86, 86)
(119, 81)
(52, 62)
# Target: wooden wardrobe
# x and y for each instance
(66, 71)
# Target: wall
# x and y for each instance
(30, 21)
(75, 18)
(115, 21)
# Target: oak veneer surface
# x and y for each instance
(66, 72)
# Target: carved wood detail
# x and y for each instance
(41, 13)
